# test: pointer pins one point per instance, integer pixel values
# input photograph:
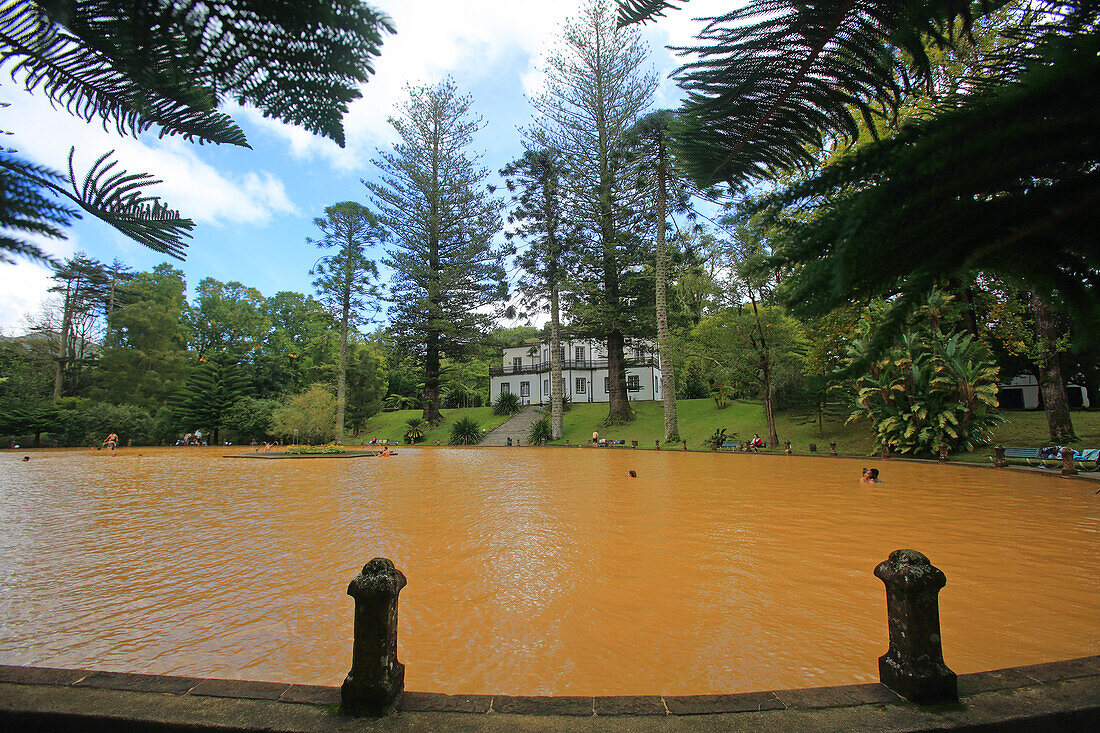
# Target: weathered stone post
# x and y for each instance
(684, 445)
(832, 447)
(1069, 468)
(376, 678)
(914, 667)
(634, 444)
(657, 444)
(943, 453)
(788, 449)
(999, 459)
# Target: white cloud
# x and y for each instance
(25, 285)
(196, 188)
(433, 39)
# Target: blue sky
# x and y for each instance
(254, 208)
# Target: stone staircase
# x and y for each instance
(516, 428)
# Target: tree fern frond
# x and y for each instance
(116, 197)
(89, 86)
(10, 247)
(642, 11)
(25, 208)
(300, 62)
(776, 79)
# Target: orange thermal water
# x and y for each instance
(533, 571)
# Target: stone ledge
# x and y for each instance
(809, 699)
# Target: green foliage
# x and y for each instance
(402, 402)
(146, 64)
(458, 395)
(212, 389)
(366, 384)
(931, 388)
(315, 450)
(250, 418)
(730, 346)
(507, 404)
(414, 430)
(307, 417)
(714, 442)
(540, 433)
(773, 82)
(466, 431)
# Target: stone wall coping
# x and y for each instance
(809, 698)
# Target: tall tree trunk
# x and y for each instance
(1051, 383)
(761, 345)
(618, 412)
(63, 343)
(342, 367)
(769, 413)
(432, 415)
(672, 430)
(557, 412)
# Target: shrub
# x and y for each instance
(540, 433)
(506, 404)
(308, 417)
(414, 432)
(466, 431)
(315, 450)
(715, 441)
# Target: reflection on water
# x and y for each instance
(533, 571)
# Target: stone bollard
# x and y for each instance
(914, 667)
(684, 445)
(999, 459)
(657, 445)
(1069, 468)
(788, 449)
(885, 452)
(832, 447)
(634, 444)
(943, 453)
(376, 678)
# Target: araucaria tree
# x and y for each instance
(347, 279)
(432, 199)
(595, 90)
(535, 181)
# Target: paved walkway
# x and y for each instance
(515, 428)
(1058, 696)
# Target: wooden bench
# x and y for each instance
(730, 444)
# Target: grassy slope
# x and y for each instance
(699, 418)
(392, 424)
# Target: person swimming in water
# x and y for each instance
(870, 476)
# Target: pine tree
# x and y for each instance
(595, 91)
(441, 220)
(346, 280)
(205, 401)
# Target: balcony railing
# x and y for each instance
(544, 366)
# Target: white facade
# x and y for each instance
(525, 371)
(1022, 393)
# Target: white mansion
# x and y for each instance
(525, 370)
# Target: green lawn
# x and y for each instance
(392, 424)
(698, 419)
